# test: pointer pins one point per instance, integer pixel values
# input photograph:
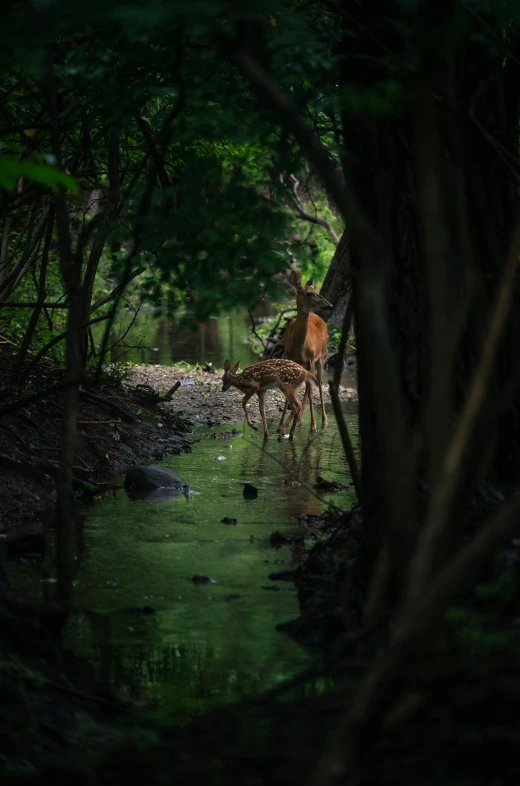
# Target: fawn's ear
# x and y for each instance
(310, 283)
(295, 278)
(227, 365)
(235, 367)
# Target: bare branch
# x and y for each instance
(322, 222)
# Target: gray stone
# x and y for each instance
(152, 478)
(25, 539)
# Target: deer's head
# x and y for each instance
(228, 372)
(308, 298)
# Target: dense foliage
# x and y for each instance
(141, 110)
(161, 146)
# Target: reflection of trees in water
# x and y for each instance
(184, 673)
(166, 341)
(195, 342)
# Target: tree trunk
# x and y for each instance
(337, 284)
(70, 269)
(488, 102)
(71, 272)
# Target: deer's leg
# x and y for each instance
(281, 429)
(246, 398)
(310, 395)
(319, 372)
(307, 394)
(314, 428)
(261, 407)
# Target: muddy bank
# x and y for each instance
(118, 426)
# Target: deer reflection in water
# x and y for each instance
(297, 464)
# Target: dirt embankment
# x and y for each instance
(120, 424)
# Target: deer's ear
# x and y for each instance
(227, 365)
(235, 367)
(310, 283)
(295, 278)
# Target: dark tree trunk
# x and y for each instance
(490, 98)
(70, 267)
(381, 173)
(337, 284)
(479, 122)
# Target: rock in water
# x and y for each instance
(152, 478)
(26, 539)
(250, 492)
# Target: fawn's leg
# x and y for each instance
(281, 429)
(246, 398)
(319, 371)
(261, 407)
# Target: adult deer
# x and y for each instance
(305, 341)
(266, 375)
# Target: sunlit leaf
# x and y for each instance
(12, 170)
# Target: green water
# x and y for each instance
(200, 647)
(220, 338)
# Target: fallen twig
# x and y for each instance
(24, 464)
(98, 422)
(171, 391)
(74, 466)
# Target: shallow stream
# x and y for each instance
(203, 643)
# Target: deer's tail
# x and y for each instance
(311, 378)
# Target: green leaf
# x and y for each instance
(11, 170)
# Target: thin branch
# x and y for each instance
(255, 334)
(116, 291)
(125, 332)
(56, 340)
(158, 160)
(322, 222)
(11, 304)
(336, 404)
